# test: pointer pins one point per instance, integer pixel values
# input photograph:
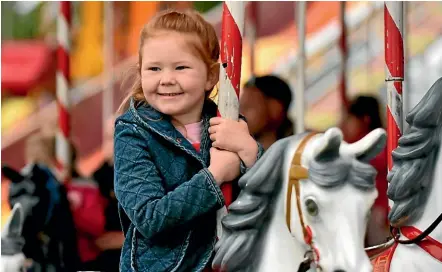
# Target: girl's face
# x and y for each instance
(253, 104)
(352, 128)
(173, 77)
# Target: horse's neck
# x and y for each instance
(280, 250)
(433, 206)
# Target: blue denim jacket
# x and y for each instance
(167, 199)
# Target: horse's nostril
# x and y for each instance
(339, 270)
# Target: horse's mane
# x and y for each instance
(415, 158)
(249, 213)
(248, 217)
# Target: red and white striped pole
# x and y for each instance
(63, 151)
(344, 56)
(394, 60)
(230, 72)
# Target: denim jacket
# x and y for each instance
(167, 198)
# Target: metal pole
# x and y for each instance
(407, 84)
(344, 56)
(108, 49)
(300, 86)
(252, 26)
(368, 49)
(62, 149)
(394, 60)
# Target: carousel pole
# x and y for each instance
(252, 25)
(108, 49)
(369, 48)
(394, 60)
(407, 83)
(344, 56)
(300, 8)
(230, 72)
(63, 149)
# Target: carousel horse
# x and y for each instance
(48, 228)
(416, 189)
(13, 259)
(305, 204)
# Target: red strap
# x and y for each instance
(382, 262)
(430, 245)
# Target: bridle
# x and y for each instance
(298, 172)
(420, 237)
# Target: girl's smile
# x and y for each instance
(170, 94)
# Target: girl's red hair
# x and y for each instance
(189, 22)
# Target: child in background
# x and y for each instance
(363, 116)
(168, 165)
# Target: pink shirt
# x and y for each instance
(193, 134)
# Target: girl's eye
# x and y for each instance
(182, 67)
(155, 69)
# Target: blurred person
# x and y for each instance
(172, 153)
(59, 249)
(87, 204)
(265, 102)
(363, 116)
(111, 241)
(40, 149)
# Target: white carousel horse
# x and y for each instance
(271, 226)
(13, 260)
(416, 189)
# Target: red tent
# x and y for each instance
(24, 65)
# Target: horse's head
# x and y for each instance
(36, 189)
(330, 192)
(13, 260)
(321, 180)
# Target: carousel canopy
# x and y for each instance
(24, 64)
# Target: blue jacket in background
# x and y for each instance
(167, 198)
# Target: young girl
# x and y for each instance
(361, 117)
(169, 164)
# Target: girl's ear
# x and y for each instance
(213, 76)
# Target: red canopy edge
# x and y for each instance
(24, 64)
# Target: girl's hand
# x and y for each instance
(234, 136)
(224, 165)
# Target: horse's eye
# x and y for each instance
(311, 207)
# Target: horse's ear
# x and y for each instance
(368, 147)
(11, 174)
(328, 146)
(14, 225)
